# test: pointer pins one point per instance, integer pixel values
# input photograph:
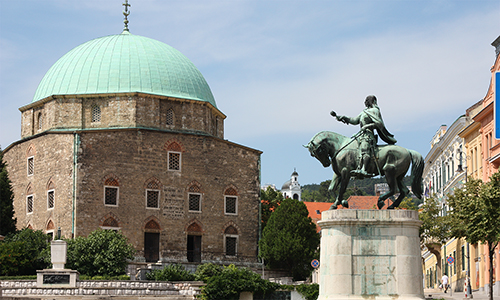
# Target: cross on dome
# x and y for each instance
(126, 13)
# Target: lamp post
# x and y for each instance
(467, 278)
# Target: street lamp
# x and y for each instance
(469, 289)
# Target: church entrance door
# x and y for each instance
(194, 248)
(151, 246)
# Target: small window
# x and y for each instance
(40, 121)
(152, 198)
(96, 113)
(231, 205)
(31, 165)
(110, 195)
(29, 204)
(174, 161)
(50, 199)
(194, 202)
(170, 117)
(231, 243)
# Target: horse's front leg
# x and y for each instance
(345, 176)
(390, 177)
(334, 184)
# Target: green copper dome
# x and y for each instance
(125, 63)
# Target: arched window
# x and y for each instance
(231, 241)
(230, 201)
(30, 162)
(49, 230)
(51, 197)
(29, 200)
(111, 191)
(153, 193)
(194, 197)
(96, 113)
(40, 121)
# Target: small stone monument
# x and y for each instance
(58, 276)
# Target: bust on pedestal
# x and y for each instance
(58, 276)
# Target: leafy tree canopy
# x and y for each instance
(475, 215)
(7, 220)
(433, 229)
(24, 252)
(356, 187)
(290, 240)
(271, 199)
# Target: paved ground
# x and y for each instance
(439, 294)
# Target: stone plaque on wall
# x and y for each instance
(173, 207)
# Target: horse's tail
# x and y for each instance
(417, 169)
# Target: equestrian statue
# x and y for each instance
(361, 157)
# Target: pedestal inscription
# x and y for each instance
(370, 253)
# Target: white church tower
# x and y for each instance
(291, 188)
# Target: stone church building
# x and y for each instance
(123, 133)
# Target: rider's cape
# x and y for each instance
(374, 114)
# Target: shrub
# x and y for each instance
(205, 271)
(309, 291)
(174, 272)
(232, 281)
(102, 253)
(24, 252)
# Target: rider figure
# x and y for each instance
(369, 120)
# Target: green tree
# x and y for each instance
(433, 232)
(7, 220)
(475, 215)
(24, 252)
(102, 253)
(271, 199)
(290, 240)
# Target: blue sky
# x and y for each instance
(277, 68)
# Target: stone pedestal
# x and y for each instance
(58, 276)
(370, 254)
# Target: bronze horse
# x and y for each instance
(391, 161)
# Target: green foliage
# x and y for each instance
(231, 281)
(407, 203)
(475, 215)
(356, 187)
(174, 272)
(271, 200)
(434, 228)
(290, 240)
(207, 270)
(22, 253)
(309, 291)
(102, 253)
(7, 220)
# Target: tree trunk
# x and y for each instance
(491, 253)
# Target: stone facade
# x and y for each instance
(123, 110)
(154, 167)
